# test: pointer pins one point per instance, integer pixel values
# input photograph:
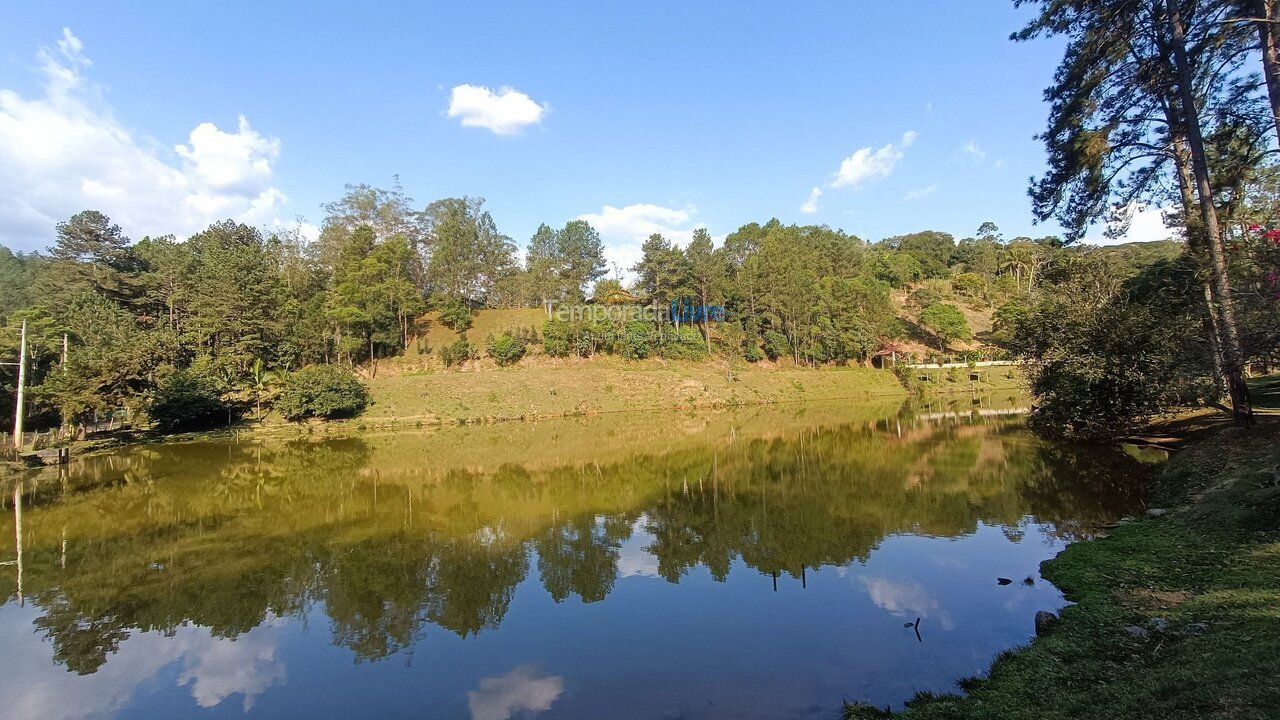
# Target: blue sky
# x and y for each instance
(638, 116)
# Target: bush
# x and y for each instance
(637, 340)
(924, 297)
(506, 348)
(685, 343)
(947, 324)
(776, 344)
(555, 338)
(187, 401)
(561, 338)
(1005, 320)
(323, 391)
(753, 353)
(458, 352)
(970, 284)
(456, 315)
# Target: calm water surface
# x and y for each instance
(757, 564)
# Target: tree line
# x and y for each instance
(223, 313)
(1159, 102)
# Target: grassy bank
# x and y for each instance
(1177, 616)
(607, 385)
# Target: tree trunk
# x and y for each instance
(1267, 16)
(1215, 347)
(706, 322)
(1196, 245)
(1233, 360)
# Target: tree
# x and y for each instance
(1104, 353)
(932, 249)
(233, 295)
(1004, 321)
(367, 303)
(113, 362)
(946, 323)
(543, 263)
(187, 401)
(90, 254)
(468, 254)
(707, 274)
(166, 283)
(564, 263)
(1265, 16)
(853, 315)
(385, 212)
(1136, 83)
(659, 270)
(581, 255)
(18, 274)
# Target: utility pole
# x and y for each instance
(22, 382)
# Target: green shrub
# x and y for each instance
(776, 344)
(924, 297)
(1005, 320)
(637, 340)
(555, 338)
(562, 338)
(970, 284)
(685, 343)
(323, 391)
(458, 352)
(946, 323)
(456, 315)
(507, 348)
(187, 401)
(753, 353)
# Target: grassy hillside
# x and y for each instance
(484, 323)
(417, 387)
(607, 384)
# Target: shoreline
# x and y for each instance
(1175, 614)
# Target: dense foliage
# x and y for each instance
(507, 348)
(457, 352)
(186, 401)
(239, 309)
(322, 391)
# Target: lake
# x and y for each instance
(757, 563)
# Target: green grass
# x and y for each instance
(1210, 569)
(604, 385)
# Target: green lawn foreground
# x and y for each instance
(1176, 616)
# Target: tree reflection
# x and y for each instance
(226, 535)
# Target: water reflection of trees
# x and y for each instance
(228, 535)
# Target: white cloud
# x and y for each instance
(867, 164)
(905, 599)
(1146, 224)
(625, 229)
(246, 665)
(633, 559)
(920, 193)
(64, 152)
(972, 150)
(215, 668)
(810, 205)
(524, 689)
(505, 112)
